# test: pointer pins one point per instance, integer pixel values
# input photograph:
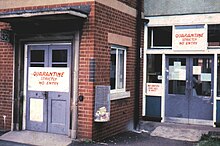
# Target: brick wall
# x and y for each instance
(93, 45)
(114, 21)
(86, 88)
(6, 80)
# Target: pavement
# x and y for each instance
(149, 134)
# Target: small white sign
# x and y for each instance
(36, 110)
(154, 89)
(177, 74)
(189, 38)
(48, 79)
(206, 77)
(197, 70)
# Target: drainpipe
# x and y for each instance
(138, 67)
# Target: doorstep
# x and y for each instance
(36, 138)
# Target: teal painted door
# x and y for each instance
(48, 110)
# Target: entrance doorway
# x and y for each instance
(189, 89)
(48, 97)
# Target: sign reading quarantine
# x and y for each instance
(48, 79)
(190, 38)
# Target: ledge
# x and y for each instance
(119, 95)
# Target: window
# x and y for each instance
(154, 68)
(118, 68)
(160, 37)
(214, 35)
(218, 77)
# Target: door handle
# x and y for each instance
(46, 95)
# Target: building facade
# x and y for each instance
(181, 62)
(69, 67)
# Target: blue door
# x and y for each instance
(189, 84)
(48, 111)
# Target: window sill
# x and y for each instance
(119, 95)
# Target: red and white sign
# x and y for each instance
(154, 89)
(188, 38)
(48, 79)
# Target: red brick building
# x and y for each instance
(53, 57)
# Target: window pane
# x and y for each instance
(177, 76)
(37, 55)
(59, 55)
(113, 69)
(37, 65)
(214, 35)
(202, 87)
(154, 68)
(120, 75)
(59, 65)
(218, 77)
(162, 36)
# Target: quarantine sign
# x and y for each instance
(192, 37)
(48, 79)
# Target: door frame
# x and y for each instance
(190, 57)
(25, 87)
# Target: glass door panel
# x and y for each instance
(177, 76)
(200, 99)
(176, 101)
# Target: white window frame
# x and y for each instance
(152, 46)
(125, 62)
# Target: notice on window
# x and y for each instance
(177, 65)
(154, 89)
(177, 73)
(48, 79)
(36, 110)
(189, 38)
(197, 70)
(206, 77)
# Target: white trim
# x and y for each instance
(159, 47)
(152, 39)
(120, 95)
(188, 121)
(184, 19)
(213, 47)
(215, 87)
(25, 86)
(144, 72)
(189, 52)
(116, 47)
(163, 87)
(47, 44)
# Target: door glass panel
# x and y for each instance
(59, 55)
(201, 82)
(37, 55)
(59, 65)
(177, 76)
(37, 65)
